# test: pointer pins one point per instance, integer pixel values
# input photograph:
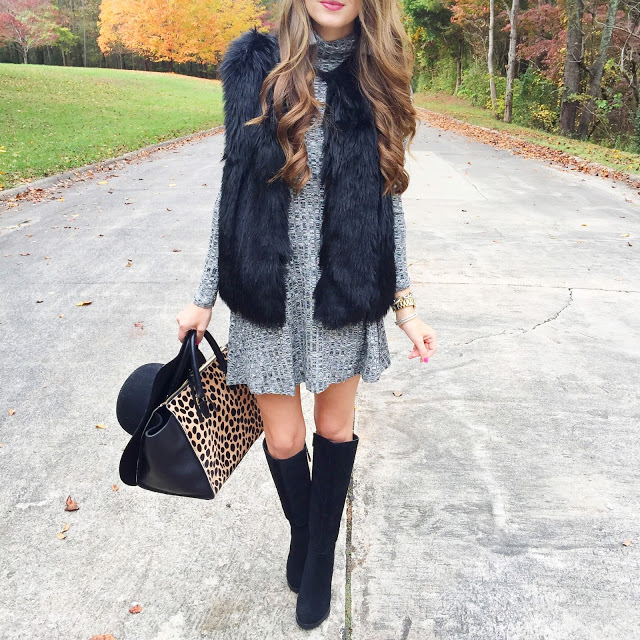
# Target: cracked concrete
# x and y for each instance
(490, 500)
(494, 495)
(555, 315)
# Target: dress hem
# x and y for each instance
(365, 377)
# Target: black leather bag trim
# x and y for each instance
(167, 462)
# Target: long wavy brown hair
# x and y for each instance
(385, 66)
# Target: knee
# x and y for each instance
(338, 428)
(284, 445)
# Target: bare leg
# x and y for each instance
(284, 426)
(333, 410)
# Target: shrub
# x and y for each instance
(477, 89)
(536, 101)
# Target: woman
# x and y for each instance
(307, 248)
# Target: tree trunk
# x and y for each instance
(572, 67)
(459, 67)
(588, 110)
(492, 80)
(511, 66)
(84, 37)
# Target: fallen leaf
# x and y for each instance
(11, 411)
(624, 235)
(102, 182)
(83, 303)
(25, 254)
(61, 315)
(135, 609)
(397, 393)
(176, 250)
(115, 487)
(101, 426)
(173, 184)
(626, 542)
(71, 504)
(61, 536)
(66, 527)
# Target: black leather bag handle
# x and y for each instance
(220, 357)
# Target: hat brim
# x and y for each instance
(134, 396)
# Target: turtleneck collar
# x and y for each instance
(330, 53)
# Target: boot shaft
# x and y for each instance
(292, 479)
(331, 473)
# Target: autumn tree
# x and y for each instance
(597, 70)
(28, 24)
(178, 31)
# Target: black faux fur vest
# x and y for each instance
(357, 269)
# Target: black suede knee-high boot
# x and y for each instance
(293, 482)
(331, 472)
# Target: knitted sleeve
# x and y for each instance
(400, 233)
(207, 291)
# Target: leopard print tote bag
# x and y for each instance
(196, 437)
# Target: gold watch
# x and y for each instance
(406, 300)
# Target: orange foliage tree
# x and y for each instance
(175, 30)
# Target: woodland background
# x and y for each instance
(567, 67)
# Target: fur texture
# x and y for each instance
(357, 270)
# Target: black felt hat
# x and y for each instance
(144, 389)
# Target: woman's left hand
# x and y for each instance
(423, 337)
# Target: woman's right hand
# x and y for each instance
(193, 317)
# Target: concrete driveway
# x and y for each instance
(496, 498)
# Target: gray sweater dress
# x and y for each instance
(275, 360)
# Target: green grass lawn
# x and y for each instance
(462, 110)
(57, 118)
